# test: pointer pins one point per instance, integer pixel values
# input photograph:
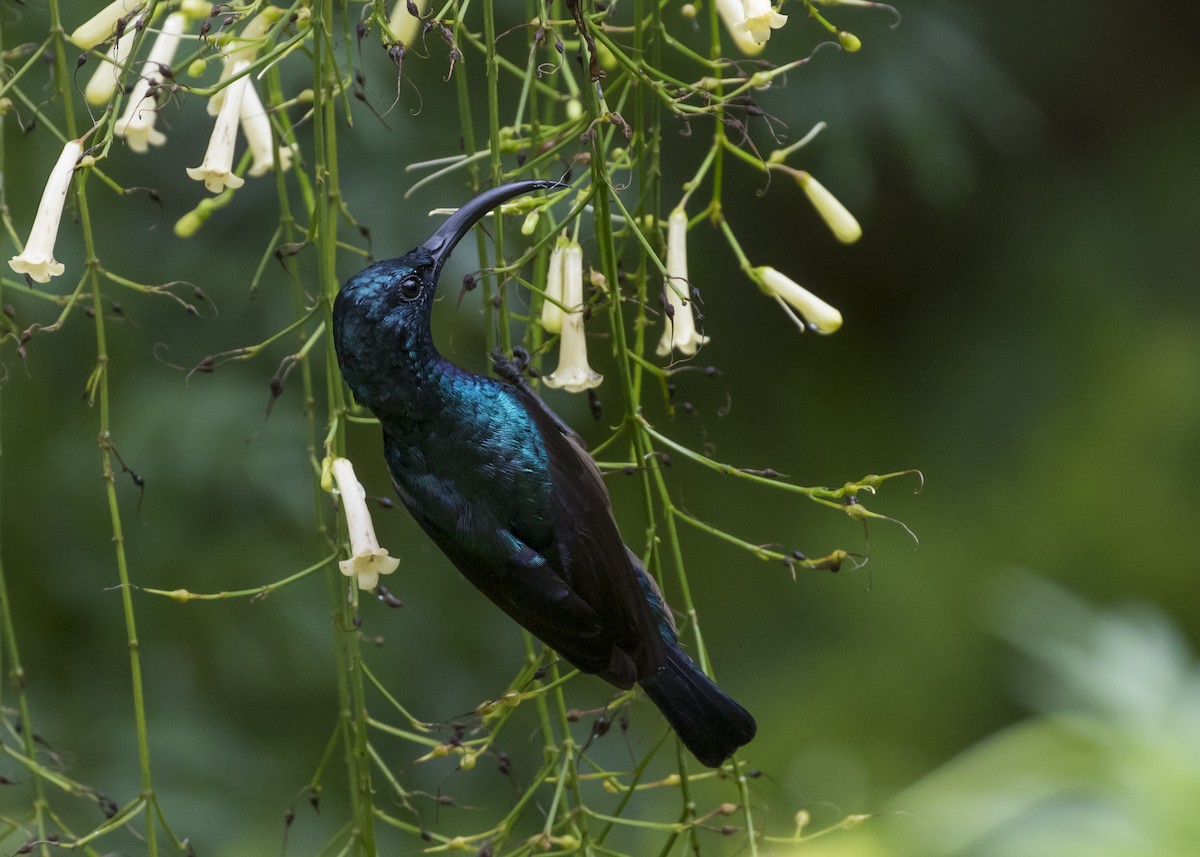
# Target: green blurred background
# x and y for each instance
(1021, 325)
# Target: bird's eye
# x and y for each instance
(410, 288)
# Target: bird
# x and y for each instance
(508, 492)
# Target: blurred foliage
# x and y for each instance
(1106, 767)
(1022, 322)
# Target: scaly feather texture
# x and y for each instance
(509, 494)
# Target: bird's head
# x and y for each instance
(386, 307)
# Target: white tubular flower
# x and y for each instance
(103, 24)
(257, 129)
(403, 24)
(815, 313)
(760, 19)
(136, 125)
(102, 85)
(217, 169)
(573, 373)
(733, 13)
(37, 259)
(552, 313)
(840, 221)
(680, 332)
(367, 559)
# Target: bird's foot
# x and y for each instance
(511, 369)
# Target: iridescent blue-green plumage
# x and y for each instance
(508, 493)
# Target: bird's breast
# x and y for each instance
(473, 458)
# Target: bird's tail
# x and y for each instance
(710, 724)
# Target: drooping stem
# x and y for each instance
(351, 694)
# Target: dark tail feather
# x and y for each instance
(710, 724)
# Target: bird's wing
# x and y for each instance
(590, 553)
(517, 578)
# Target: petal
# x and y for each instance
(573, 379)
(40, 270)
(367, 566)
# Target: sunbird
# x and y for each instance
(508, 492)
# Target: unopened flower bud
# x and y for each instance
(102, 25)
(529, 224)
(815, 313)
(839, 220)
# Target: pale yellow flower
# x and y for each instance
(733, 13)
(367, 559)
(216, 171)
(761, 18)
(573, 373)
(680, 331)
(37, 259)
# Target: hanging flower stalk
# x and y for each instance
(367, 559)
(37, 259)
(136, 125)
(814, 313)
(573, 373)
(216, 171)
(680, 332)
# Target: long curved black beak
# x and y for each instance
(441, 244)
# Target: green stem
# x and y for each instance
(102, 389)
(328, 204)
(493, 101)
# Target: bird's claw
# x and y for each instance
(511, 369)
